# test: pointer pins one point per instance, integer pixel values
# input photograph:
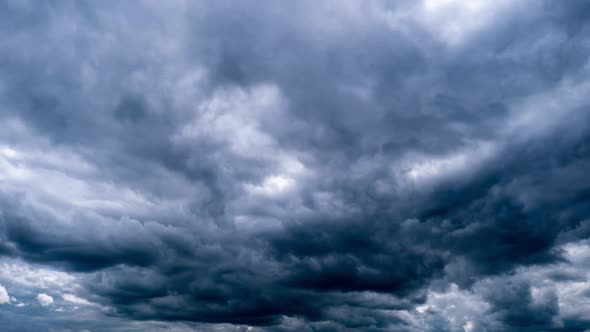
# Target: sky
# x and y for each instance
(276, 166)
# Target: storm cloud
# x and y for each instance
(294, 166)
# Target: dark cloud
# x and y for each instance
(334, 166)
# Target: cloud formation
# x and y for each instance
(4, 298)
(304, 166)
(44, 299)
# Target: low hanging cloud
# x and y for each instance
(273, 166)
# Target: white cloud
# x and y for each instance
(75, 299)
(4, 298)
(425, 169)
(44, 299)
(236, 117)
(460, 307)
(272, 185)
(32, 276)
(450, 21)
(50, 174)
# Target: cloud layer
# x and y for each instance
(304, 166)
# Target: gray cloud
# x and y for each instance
(334, 166)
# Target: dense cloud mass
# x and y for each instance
(281, 166)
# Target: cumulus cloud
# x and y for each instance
(4, 297)
(44, 299)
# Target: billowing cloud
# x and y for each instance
(4, 298)
(273, 166)
(44, 299)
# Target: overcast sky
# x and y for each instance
(274, 166)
